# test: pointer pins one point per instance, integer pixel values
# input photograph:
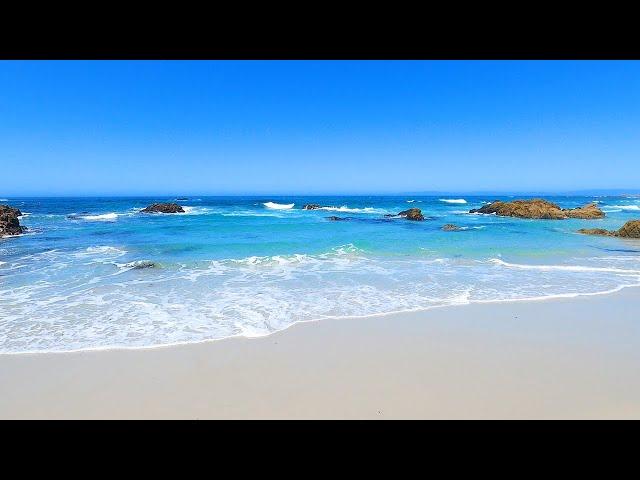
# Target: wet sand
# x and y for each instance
(562, 358)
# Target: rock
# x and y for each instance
(142, 264)
(311, 206)
(450, 227)
(412, 214)
(163, 208)
(587, 212)
(337, 219)
(631, 229)
(595, 231)
(9, 223)
(539, 209)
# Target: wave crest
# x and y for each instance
(279, 206)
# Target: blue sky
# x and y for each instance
(266, 127)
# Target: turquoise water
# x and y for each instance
(232, 266)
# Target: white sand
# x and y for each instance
(566, 358)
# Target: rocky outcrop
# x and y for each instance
(631, 229)
(589, 211)
(450, 227)
(311, 206)
(539, 209)
(412, 214)
(9, 223)
(163, 208)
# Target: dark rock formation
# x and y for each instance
(631, 229)
(540, 209)
(9, 223)
(412, 214)
(450, 227)
(311, 206)
(333, 218)
(163, 208)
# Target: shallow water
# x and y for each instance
(253, 265)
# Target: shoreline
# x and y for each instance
(344, 317)
(564, 358)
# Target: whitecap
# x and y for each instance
(453, 200)
(105, 217)
(634, 208)
(279, 206)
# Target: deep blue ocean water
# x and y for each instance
(233, 266)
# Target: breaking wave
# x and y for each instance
(279, 206)
(100, 296)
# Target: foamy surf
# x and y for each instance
(105, 217)
(629, 208)
(279, 206)
(223, 273)
(453, 200)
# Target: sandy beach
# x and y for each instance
(561, 358)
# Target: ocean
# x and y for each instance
(253, 265)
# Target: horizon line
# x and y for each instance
(586, 191)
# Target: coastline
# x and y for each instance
(559, 358)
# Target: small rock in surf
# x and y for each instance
(163, 208)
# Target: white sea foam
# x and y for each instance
(105, 217)
(632, 208)
(93, 297)
(566, 268)
(4, 200)
(195, 211)
(279, 206)
(453, 200)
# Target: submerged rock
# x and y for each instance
(163, 208)
(450, 227)
(333, 218)
(412, 214)
(538, 209)
(9, 223)
(595, 231)
(142, 264)
(631, 229)
(311, 206)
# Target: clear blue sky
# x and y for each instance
(142, 127)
